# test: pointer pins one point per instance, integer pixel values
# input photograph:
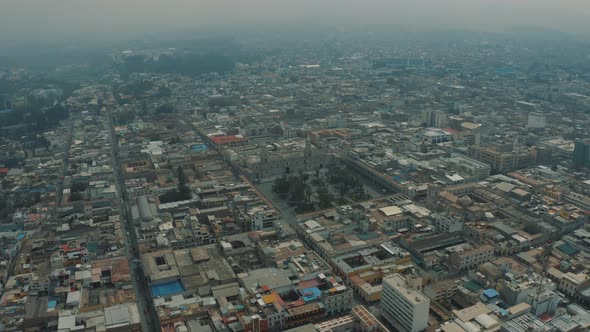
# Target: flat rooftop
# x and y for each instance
(398, 283)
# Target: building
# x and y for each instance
(581, 156)
(446, 223)
(160, 266)
(257, 218)
(517, 289)
(365, 321)
(470, 133)
(339, 324)
(145, 210)
(500, 161)
(536, 120)
(570, 282)
(404, 306)
(222, 141)
(441, 291)
(524, 323)
(120, 317)
(434, 118)
(336, 121)
(435, 135)
(304, 314)
(288, 131)
(542, 155)
(477, 317)
(579, 200)
(369, 259)
(283, 304)
(475, 170)
(288, 160)
(464, 259)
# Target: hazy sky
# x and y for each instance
(59, 19)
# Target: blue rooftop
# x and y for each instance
(310, 294)
(199, 147)
(567, 249)
(490, 293)
(167, 288)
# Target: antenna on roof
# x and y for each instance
(547, 251)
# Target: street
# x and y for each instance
(64, 167)
(147, 311)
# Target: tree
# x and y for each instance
(282, 185)
(360, 193)
(183, 187)
(307, 193)
(75, 196)
(533, 228)
(124, 118)
(164, 92)
(325, 197)
(297, 192)
(165, 109)
(79, 186)
(172, 196)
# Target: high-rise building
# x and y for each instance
(542, 155)
(435, 118)
(402, 303)
(581, 156)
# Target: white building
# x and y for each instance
(446, 224)
(435, 135)
(465, 258)
(405, 307)
(261, 217)
(476, 170)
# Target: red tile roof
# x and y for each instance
(227, 139)
(119, 268)
(309, 283)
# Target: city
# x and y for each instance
(319, 184)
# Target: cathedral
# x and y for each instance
(293, 160)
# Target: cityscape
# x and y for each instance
(344, 180)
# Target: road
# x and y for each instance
(148, 314)
(288, 213)
(64, 167)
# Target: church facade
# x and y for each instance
(272, 165)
